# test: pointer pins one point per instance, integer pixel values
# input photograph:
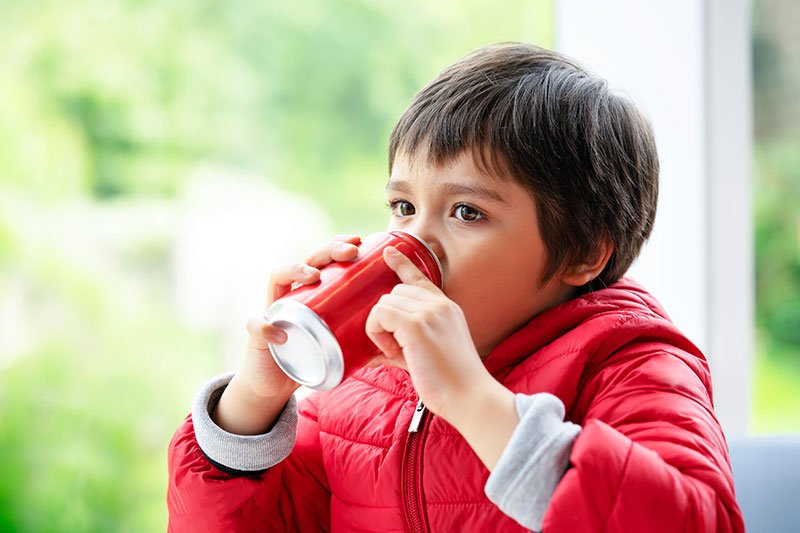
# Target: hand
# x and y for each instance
(260, 372)
(419, 328)
(258, 393)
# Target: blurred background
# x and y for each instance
(158, 159)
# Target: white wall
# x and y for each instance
(686, 62)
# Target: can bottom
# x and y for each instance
(311, 356)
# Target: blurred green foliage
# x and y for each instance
(120, 98)
(777, 215)
(106, 110)
(776, 401)
(95, 372)
(776, 83)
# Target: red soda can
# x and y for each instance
(325, 321)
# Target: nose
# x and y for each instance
(427, 231)
(433, 243)
(437, 249)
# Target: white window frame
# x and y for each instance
(687, 63)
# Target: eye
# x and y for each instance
(467, 213)
(401, 208)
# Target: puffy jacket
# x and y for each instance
(651, 456)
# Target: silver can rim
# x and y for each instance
(430, 250)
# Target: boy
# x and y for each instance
(558, 395)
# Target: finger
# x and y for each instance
(387, 345)
(400, 302)
(400, 326)
(404, 268)
(347, 237)
(337, 249)
(379, 360)
(262, 333)
(343, 251)
(416, 292)
(281, 279)
(385, 318)
(382, 322)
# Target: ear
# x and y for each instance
(583, 273)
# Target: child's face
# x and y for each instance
(486, 234)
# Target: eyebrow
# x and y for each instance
(453, 189)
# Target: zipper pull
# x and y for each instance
(416, 418)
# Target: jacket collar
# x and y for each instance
(553, 323)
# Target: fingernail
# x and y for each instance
(281, 337)
(392, 251)
(308, 271)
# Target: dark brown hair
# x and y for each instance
(586, 153)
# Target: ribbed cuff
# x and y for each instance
(241, 454)
(534, 460)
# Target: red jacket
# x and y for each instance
(651, 456)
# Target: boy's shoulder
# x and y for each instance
(588, 331)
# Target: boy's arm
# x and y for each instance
(220, 481)
(534, 459)
(241, 453)
(241, 479)
(526, 447)
(651, 455)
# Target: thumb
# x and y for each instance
(404, 268)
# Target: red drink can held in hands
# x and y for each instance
(325, 322)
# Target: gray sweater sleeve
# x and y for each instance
(241, 454)
(534, 460)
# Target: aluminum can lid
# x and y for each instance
(312, 355)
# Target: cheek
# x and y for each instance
(496, 292)
(473, 282)
(466, 274)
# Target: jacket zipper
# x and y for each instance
(412, 475)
